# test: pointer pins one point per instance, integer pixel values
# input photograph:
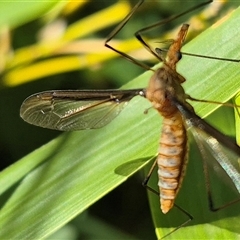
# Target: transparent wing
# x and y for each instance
(226, 159)
(214, 145)
(75, 109)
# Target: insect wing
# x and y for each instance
(227, 160)
(75, 110)
(214, 145)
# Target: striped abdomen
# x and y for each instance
(165, 86)
(171, 159)
(172, 154)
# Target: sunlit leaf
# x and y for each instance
(50, 186)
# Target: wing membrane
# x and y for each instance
(227, 160)
(211, 141)
(75, 109)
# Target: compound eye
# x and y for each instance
(178, 55)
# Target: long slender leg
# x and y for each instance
(145, 182)
(117, 30)
(208, 182)
(209, 192)
(138, 33)
(190, 218)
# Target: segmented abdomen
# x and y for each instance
(171, 159)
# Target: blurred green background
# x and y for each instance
(20, 32)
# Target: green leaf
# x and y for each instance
(16, 13)
(50, 186)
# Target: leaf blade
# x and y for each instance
(60, 185)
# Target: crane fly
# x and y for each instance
(72, 110)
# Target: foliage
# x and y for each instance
(53, 184)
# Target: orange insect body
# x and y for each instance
(172, 154)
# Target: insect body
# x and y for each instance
(89, 109)
(72, 110)
(172, 154)
(75, 110)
